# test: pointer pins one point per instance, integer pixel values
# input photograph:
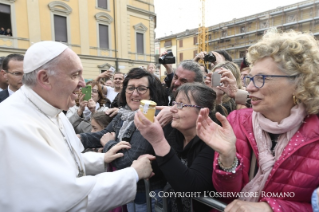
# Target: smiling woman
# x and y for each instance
(138, 84)
(259, 147)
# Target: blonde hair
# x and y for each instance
(297, 54)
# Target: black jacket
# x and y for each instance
(4, 94)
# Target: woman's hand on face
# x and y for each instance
(112, 153)
(152, 132)
(220, 138)
(91, 105)
(165, 116)
(244, 206)
(107, 137)
(229, 82)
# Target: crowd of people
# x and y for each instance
(250, 132)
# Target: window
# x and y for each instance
(224, 33)
(209, 36)
(104, 36)
(195, 40)
(242, 29)
(292, 18)
(5, 17)
(102, 4)
(168, 43)
(140, 30)
(140, 43)
(60, 29)
(242, 54)
(180, 43)
(180, 57)
(195, 53)
(60, 21)
(263, 24)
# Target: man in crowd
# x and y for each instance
(13, 67)
(42, 167)
(3, 77)
(220, 55)
(118, 79)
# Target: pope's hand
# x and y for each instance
(220, 138)
(107, 137)
(112, 153)
(143, 166)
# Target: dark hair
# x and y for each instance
(225, 55)
(157, 92)
(102, 119)
(1, 60)
(5, 62)
(203, 96)
(102, 99)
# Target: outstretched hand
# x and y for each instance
(112, 153)
(220, 138)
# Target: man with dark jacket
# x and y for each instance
(13, 67)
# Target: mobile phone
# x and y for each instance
(112, 69)
(216, 79)
(87, 91)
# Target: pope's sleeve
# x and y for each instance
(94, 163)
(112, 189)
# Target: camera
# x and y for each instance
(167, 58)
(210, 57)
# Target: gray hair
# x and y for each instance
(194, 67)
(30, 79)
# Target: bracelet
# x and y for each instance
(232, 168)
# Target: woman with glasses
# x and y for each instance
(272, 149)
(80, 114)
(181, 155)
(138, 84)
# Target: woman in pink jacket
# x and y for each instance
(268, 156)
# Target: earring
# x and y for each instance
(294, 98)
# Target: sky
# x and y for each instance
(175, 16)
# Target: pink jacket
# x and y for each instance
(297, 170)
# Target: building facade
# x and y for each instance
(237, 35)
(104, 33)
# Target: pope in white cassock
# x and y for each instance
(41, 164)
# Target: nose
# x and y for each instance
(135, 93)
(174, 109)
(251, 87)
(82, 82)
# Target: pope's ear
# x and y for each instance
(44, 79)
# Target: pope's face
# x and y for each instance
(67, 80)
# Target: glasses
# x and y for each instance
(180, 105)
(18, 74)
(94, 90)
(259, 80)
(139, 89)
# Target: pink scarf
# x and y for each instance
(262, 126)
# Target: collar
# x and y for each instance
(43, 105)
(10, 91)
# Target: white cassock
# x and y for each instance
(38, 172)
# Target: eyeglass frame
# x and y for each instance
(184, 105)
(136, 88)
(251, 78)
(94, 90)
(17, 74)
